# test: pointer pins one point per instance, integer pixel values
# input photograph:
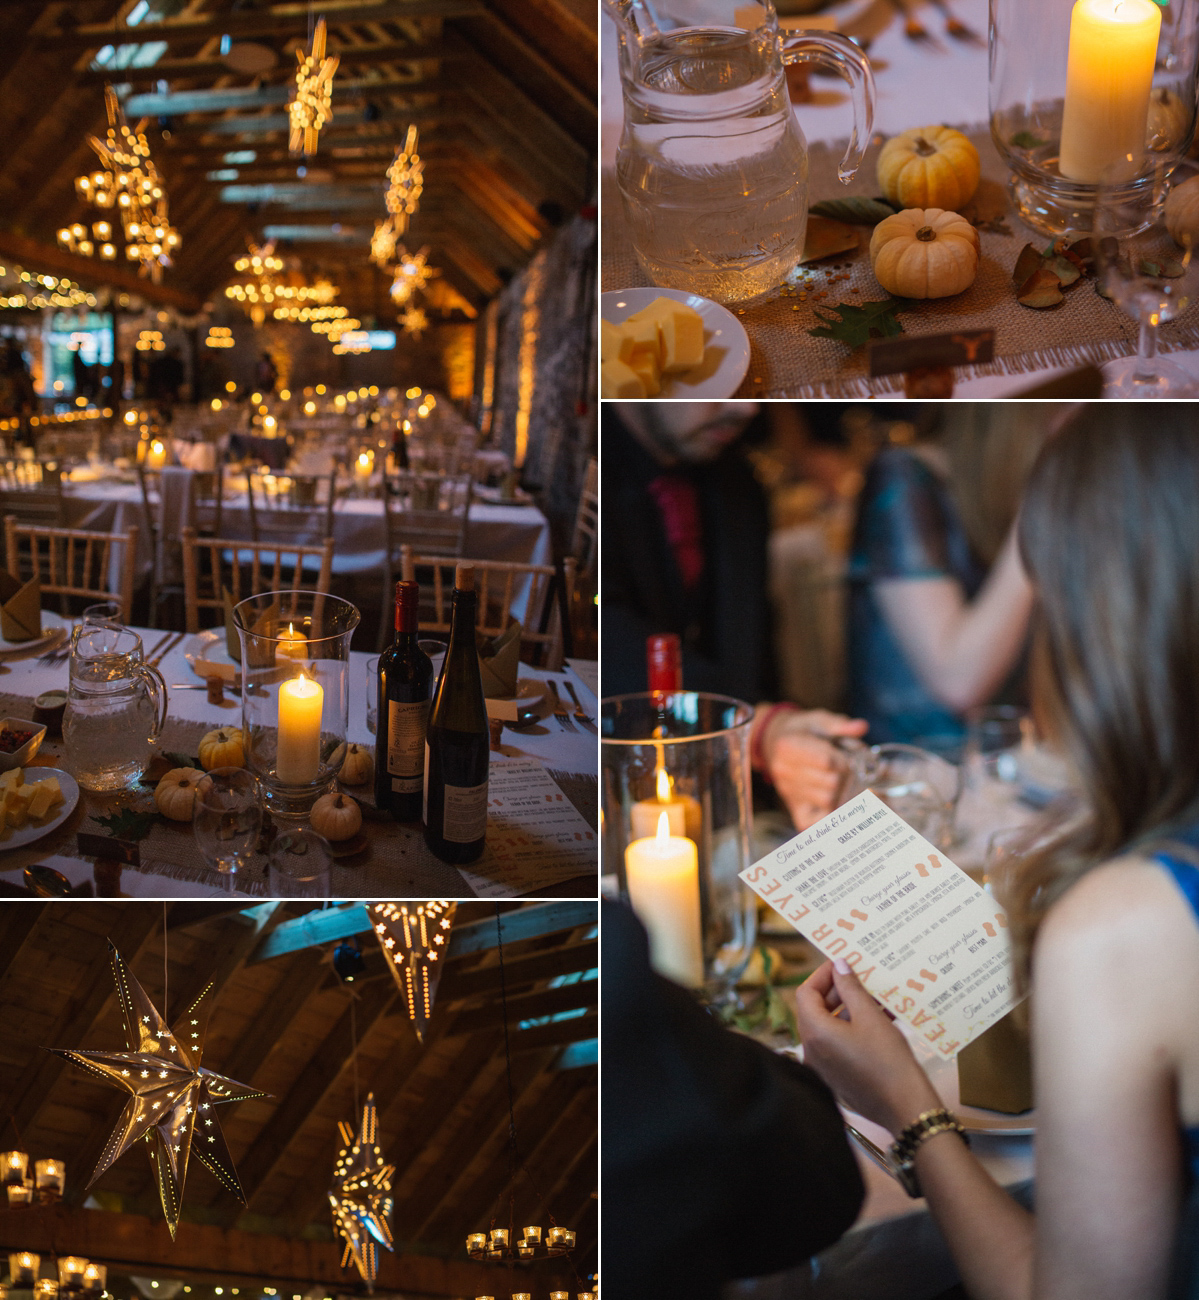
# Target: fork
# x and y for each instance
(579, 713)
(955, 27)
(559, 708)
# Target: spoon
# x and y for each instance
(48, 883)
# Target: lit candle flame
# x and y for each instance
(663, 829)
(665, 785)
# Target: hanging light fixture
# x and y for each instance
(360, 1197)
(405, 182)
(414, 321)
(502, 1245)
(415, 938)
(312, 107)
(131, 185)
(412, 273)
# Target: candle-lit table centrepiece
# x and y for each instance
(676, 832)
(1084, 91)
(295, 654)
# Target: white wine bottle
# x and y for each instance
(457, 748)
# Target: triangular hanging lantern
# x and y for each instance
(360, 1197)
(415, 938)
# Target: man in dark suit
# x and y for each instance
(684, 549)
(720, 1159)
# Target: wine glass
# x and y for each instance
(372, 694)
(920, 787)
(1154, 279)
(300, 865)
(227, 817)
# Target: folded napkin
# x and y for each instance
(21, 610)
(499, 661)
(175, 513)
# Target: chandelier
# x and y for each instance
(412, 272)
(405, 182)
(312, 107)
(131, 185)
(256, 295)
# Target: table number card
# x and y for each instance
(924, 939)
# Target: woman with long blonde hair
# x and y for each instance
(1106, 915)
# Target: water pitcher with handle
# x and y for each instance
(116, 707)
(712, 165)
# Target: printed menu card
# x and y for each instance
(924, 939)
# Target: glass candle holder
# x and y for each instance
(95, 1279)
(45, 1289)
(295, 655)
(1079, 87)
(499, 1236)
(476, 1242)
(532, 1235)
(20, 1194)
(677, 818)
(22, 1268)
(14, 1165)
(50, 1177)
(71, 1269)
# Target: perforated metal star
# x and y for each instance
(171, 1095)
(415, 938)
(360, 1197)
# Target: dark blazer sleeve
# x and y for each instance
(720, 1159)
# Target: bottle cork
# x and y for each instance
(464, 577)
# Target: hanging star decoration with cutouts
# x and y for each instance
(171, 1095)
(312, 107)
(361, 1197)
(415, 938)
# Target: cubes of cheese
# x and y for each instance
(44, 799)
(21, 802)
(667, 337)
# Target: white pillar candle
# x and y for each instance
(156, 455)
(1109, 76)
(292, 644)
(662, 877)
(299, 751)
(682, 811)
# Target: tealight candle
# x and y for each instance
(1109, 76)
(532, 1234)
(13, 1167)
(20, 1193)
(683, 812)
(45, 1289)
(662, 877)
(23, 1267)
(156, 455)
(364, 466)
(476, 1241)
(95, 1277)
(298, 757)
(499, 1236)
(50, 1175)
(70, 1272)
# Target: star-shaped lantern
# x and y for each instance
(171, 1095)
(360, 1197)
(414, 321)
(405, 182)
(412, 273)
(312, 107)
(415, 938)
(383, 243)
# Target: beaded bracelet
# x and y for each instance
(905, 1146)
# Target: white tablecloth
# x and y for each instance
(548, 742)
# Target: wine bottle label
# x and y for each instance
(465, 813)
(406, 744)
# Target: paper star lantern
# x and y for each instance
(414, 321)
(312, 107)
(415, 938)
(171, 1095)
(412, 273)
(360, 1197)
(383, 243)
(405, 182)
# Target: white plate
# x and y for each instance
(529, 692)
(726, 344)
(53, 626)
(18, 837)
(210, 647)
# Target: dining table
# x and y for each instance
(553, 755)
(933, 78)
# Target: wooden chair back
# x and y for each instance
(275, 514)
(497, 584)
(211, 564)
(73, 561)
(582, 544)
(32, 494)
(426, 512)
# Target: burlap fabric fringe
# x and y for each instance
(395, 864)
(787, 362)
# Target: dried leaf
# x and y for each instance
(1066, 270)
(128, 824)
(1025, 140)
(857, 211)
(1167, 268)
(825, 238)
(858, 323)
(1042, 289)
(1027, 264)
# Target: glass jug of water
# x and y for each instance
(116, 707)
(712, 165)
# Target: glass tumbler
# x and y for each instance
(300, 865)
(228, 817)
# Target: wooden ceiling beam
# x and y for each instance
(211, 70)
(557, 1034)
(247, 23)
(130, 1243)
(16, 925)
(484, 981)
(532, 1006)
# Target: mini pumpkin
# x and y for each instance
(1182, 213)
(1169, 120)
(929, 167)
(355, 764)
(175, 794)
(224, 747)
(924, 253)
(336, 817)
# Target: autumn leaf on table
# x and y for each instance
(128, 824)
(858, 323)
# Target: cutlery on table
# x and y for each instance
(955, 27)
(579, 711)
(45, 882)
(559, 708)
(154, 649)
(172, 641)
(232, 687)
(876, 1153)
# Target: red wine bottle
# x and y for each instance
(405, 679)
(457, 748)
(664, 663)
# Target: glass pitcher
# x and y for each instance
(712, 165)
(116, 707)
